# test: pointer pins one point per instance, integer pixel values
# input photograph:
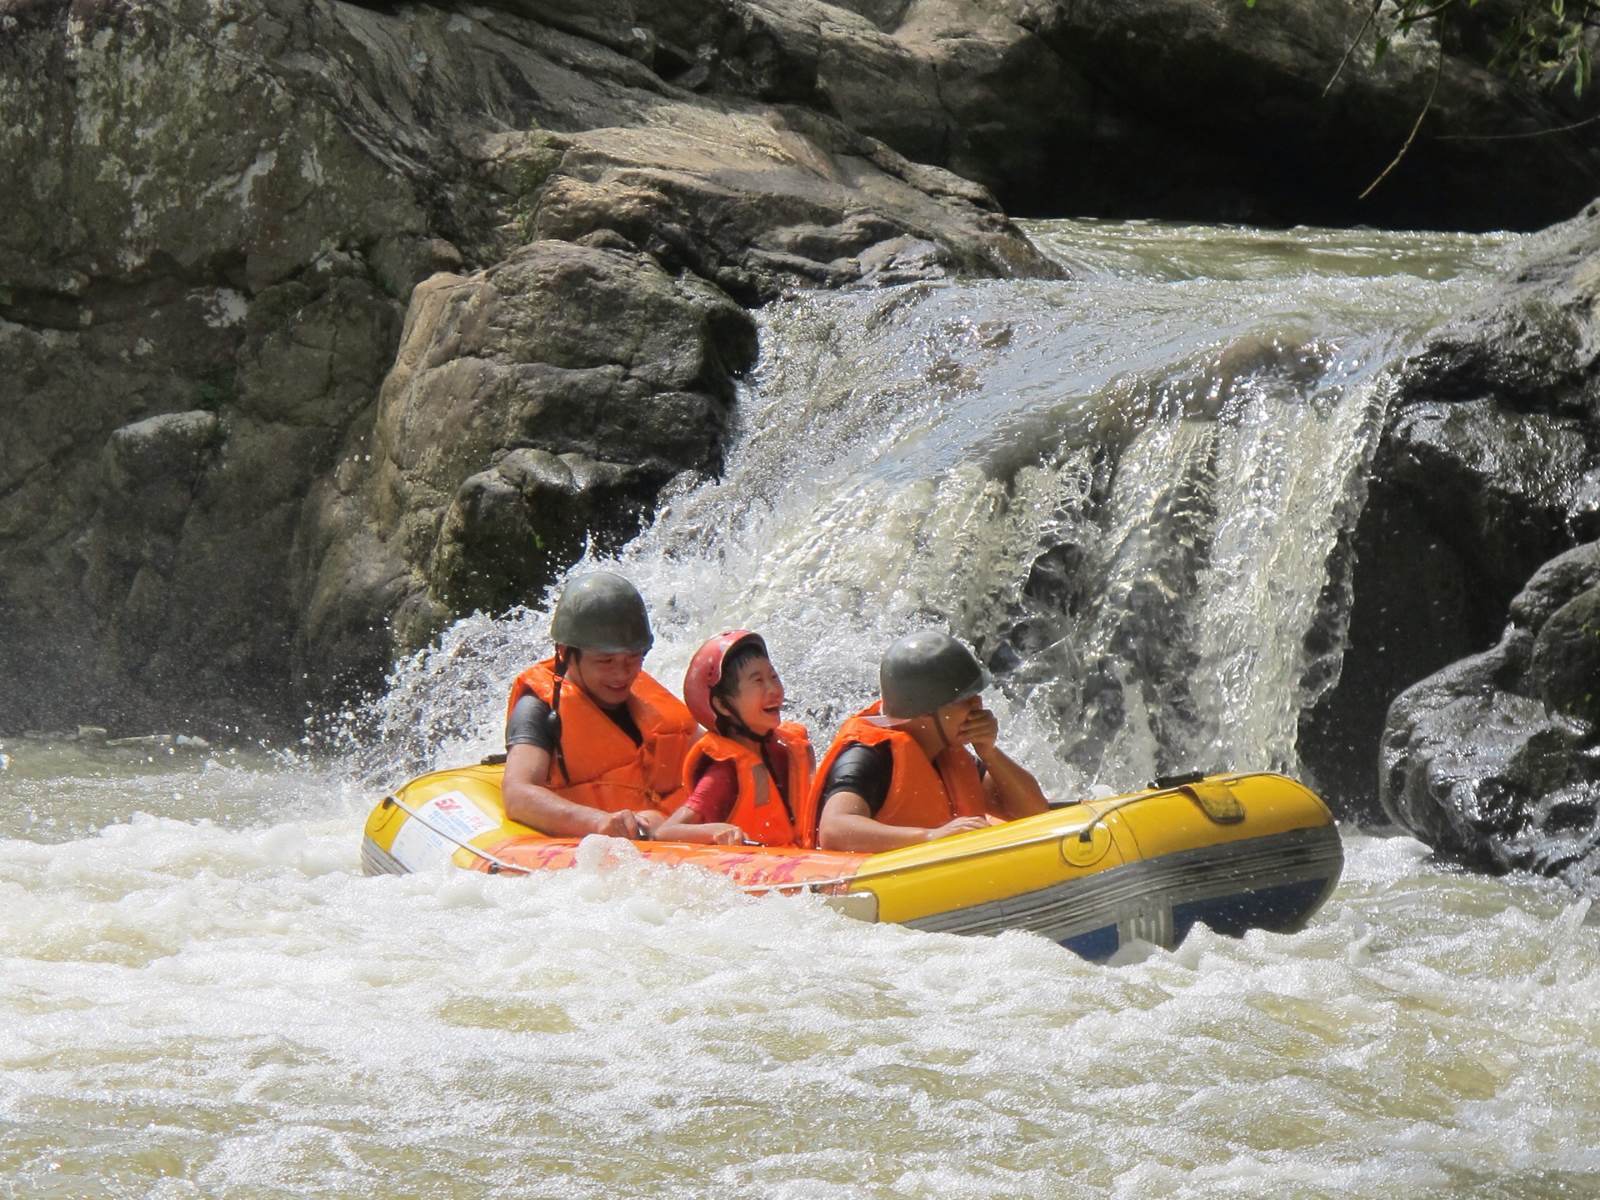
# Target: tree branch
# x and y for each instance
(1512, 137)
(1407, 20)
(1354, 42)
(1438, 70)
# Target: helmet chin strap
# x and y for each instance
(737, 722)
(938, 728)
(555, 711)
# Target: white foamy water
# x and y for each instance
(228, 1008)
(201, 996)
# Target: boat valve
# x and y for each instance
(1086, 846)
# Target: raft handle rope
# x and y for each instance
(1084, 833)
(1165, 786)
(498, 865)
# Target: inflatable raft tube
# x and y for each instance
(1233, 852)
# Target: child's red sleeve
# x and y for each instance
(714, 793)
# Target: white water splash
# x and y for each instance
(905, 457)
(201, 1010)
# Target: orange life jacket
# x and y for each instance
(761, 811)
(599, 764)
(922, 793)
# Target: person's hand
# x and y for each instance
(723, 834)
(650, 820)
(959, 825)
(980, 729)
(623, 824)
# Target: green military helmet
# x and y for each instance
(602, 613)
(922, 672)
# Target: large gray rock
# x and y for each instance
(1496, 759)
(1190, 108)
(530, 405)
(1564, 670)
(1487, 469)
(761, 201)
(224, 209)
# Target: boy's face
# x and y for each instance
(608, 678)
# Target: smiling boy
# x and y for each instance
(593, 744)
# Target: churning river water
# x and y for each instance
(1124, 490)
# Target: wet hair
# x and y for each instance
(742, 655)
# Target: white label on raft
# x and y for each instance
(418, 847)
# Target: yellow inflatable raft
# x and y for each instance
(1234, 852)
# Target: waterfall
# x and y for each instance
(1124, 490)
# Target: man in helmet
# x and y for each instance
(593, 744)
(901, 771)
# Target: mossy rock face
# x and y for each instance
(225, 207)
(169, 138)
(534, 408)
(1565, 671)
(510, 531)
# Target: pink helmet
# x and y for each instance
(705, 672)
